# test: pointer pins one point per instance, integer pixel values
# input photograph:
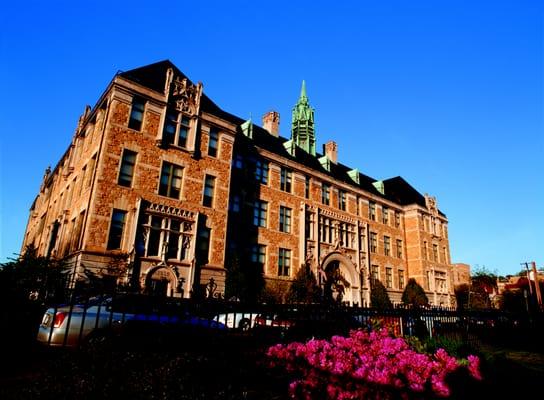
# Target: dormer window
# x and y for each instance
(176, 129)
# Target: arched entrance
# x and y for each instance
(342, 282)
(160, 281)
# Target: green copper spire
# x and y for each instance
(302, 126)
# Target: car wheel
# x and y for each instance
(244, 325)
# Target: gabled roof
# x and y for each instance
(397, 190)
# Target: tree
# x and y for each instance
(462, 295)
(244, 282)
(304, 288)
(414, 294)
(379, 298)
(32, 277)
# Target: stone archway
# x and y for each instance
(342, 282)
(160, 281)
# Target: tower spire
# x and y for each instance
(302, 126)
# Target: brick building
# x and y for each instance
(160, 187)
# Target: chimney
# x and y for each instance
(331, 150)
(271, 122)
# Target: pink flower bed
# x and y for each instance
(369, 365)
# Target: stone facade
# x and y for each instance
(159, 186)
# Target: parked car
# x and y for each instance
(71, 325)
(278, 320)
(237, 320)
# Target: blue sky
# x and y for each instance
(447, 94)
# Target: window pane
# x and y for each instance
(126, 171)
(136, 114)
(116, 229)
(209, 186)
(212, 145)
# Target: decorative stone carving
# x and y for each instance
(186, 96)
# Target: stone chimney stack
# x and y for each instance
(330, 149)
(271, 122)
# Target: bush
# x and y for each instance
(366, 365)
(414, 294)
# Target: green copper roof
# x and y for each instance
(302, 126)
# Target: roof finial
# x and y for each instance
(303, 90)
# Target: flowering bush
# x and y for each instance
(369, 365)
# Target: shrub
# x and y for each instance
(370, 365)
(414, 294)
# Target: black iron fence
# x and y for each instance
(130, 318)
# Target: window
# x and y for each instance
(372, 211)
(401, 279)
(435, 252)
(258, 255)
(136, 113)
(386, 245)
(261, 171)
(235, 203)
(389, 278)
(362, 243)
(285, 179)
(358, 205)
(307, 187)
(425, 250)
(374, 274)
(342, 200)
(238, 161)
(399, 248)
(397, 219)
(126, 172)
(165, 234)
(444, 259)
(325, 193)
(118, 219)
(373, 242)
(385, 215)
(285, 219)
(209, 187)
(213, 143)
(90, 170)
(170, 183)
(176, 129)
(259, 213)
(203, 244)
(154, 238)
(284, 262)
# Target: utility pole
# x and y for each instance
(537, 285)
(528, 277)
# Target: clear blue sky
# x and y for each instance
(447, 94)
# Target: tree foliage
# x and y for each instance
(379, 298)
(32, 277)
(304, 288)
(414, 294)
(244, 282)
